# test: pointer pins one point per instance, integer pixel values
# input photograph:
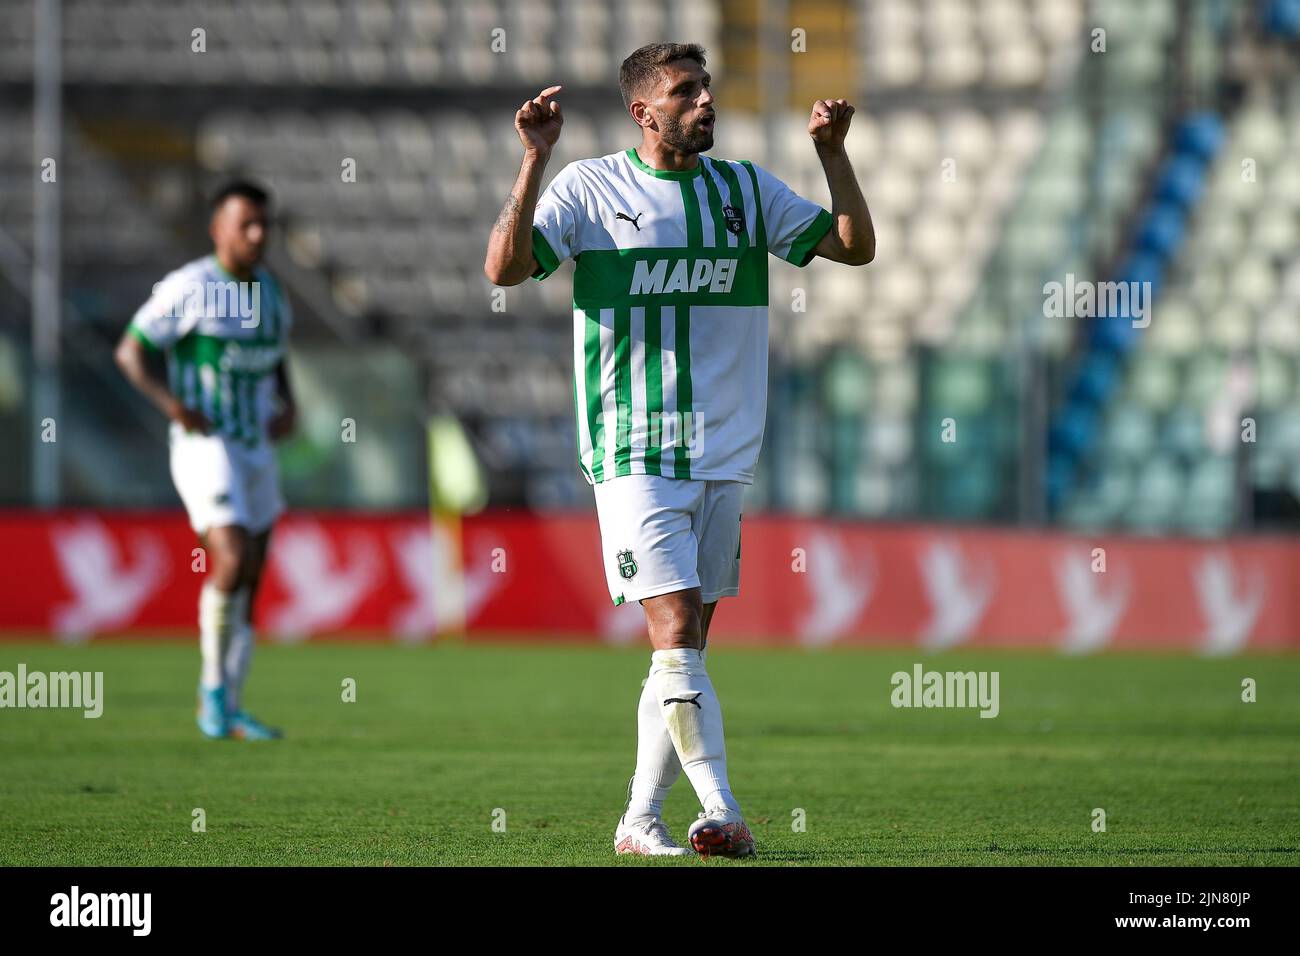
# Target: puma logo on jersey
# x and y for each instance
(623, 215)
(686, 275)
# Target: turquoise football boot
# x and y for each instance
(244, 726)
(211, 716)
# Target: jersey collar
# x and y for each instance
(221, 270)
(666, 173)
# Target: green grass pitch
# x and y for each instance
(443, 740)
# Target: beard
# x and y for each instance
(687, 139)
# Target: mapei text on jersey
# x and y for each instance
(687, 275)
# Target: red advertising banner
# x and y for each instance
(519, 576)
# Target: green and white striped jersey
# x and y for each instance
(670, 308)
(223, 339)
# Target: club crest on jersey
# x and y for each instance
(626, 565)
(735, 219)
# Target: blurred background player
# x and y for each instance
(670, 353)
(223, 324)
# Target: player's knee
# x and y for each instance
(228, 567)
(676, 626)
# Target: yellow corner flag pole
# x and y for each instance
(456, 487)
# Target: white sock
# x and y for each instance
(215, 624)
(657, 766)
(694, 719)
(239, 652)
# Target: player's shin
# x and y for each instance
(657, 766)
(693, 716)
(239, 651)
(217, 615)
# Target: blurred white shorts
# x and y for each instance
(668, 534)
(224, 482)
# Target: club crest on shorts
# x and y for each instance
(626, 565)
(735, 219)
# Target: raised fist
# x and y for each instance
(829, 123)
(539, 120)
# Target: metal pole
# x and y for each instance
(773, 96)
(47, 120)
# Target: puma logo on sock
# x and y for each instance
(686, 700)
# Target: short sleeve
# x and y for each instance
(164, 319)
(286, 314)
(555, 221)
(794, 225)
(283, 310)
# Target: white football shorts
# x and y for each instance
(225, 482)
(668, 534)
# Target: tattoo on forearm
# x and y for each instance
(509, 213)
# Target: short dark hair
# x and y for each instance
(242, 188)
(642, 67)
